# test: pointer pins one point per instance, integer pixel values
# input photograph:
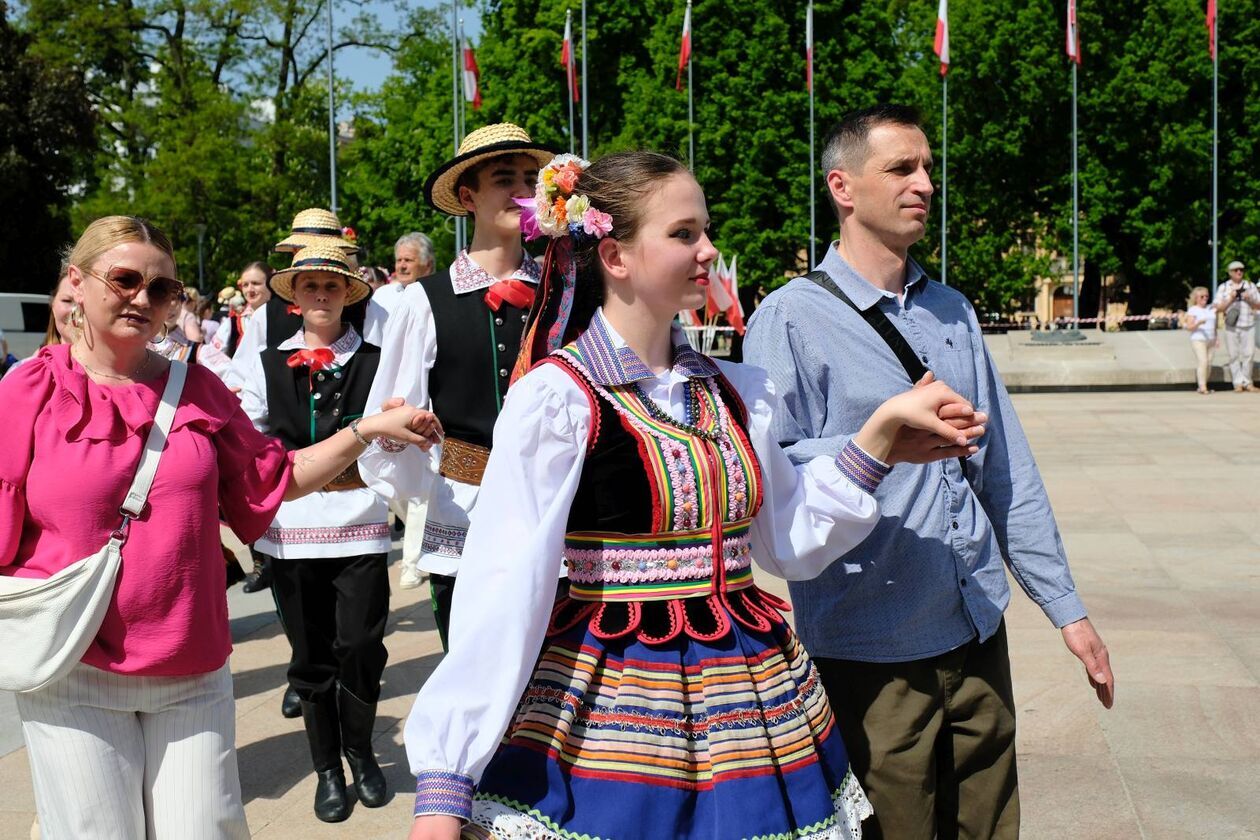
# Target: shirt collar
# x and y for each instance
(611, 362)
(467, 276)
(343, 348)
(860, 290)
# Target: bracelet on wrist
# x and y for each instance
(354, 429)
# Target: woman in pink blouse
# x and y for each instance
(138, 741)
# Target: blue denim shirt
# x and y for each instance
(930, 577)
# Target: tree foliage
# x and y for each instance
(212, 111)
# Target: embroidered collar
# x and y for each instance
(467, 276)
(858, 288)
(343, 348)
(611, 361)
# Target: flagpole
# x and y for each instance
(1076, 260)
(332, 117)
(585, 144)
(944, 179)
(691, 111)
(455, 99)
(569, 61)
(1216, 58)
(809, 57)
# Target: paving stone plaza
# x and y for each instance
(1158, 498)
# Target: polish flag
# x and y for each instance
(684, 49)
(1211, 27)
(734, 312)
(568, 58)
(472, 77)
(809, 47)
(941, 45)
(1073, 34)
(717, 299)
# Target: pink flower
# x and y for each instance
(566, 179)
(596, 223)
(529, 218)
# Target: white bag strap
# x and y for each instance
(139, 492)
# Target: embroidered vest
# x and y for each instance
(658, 540)
(476, 349)
(304, 407)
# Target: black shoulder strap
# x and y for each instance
(881, 324)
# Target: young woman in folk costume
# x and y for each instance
(664, 696)
(328, 550)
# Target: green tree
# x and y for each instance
(46, 140)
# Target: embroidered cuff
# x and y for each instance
(863, 470)
(444, 792)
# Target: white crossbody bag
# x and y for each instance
(47, 625)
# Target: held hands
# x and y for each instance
(930, 422)
(435, 827)
(404, 424)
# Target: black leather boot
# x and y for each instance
(324, 734)
(260, 578)
(291, 704)
(357, 719)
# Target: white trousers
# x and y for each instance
(150, 758)
(1241, 347)
(1202, 362)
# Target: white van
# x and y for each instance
(24, 320)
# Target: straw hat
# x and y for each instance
(322, 259)
(315, 226)
(482, 144)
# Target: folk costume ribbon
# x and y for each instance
(316, 359)
(512, 292)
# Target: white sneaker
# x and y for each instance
(410, 578)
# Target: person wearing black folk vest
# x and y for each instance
(451, 340)
(328, 550)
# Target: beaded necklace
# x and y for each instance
(691, 411)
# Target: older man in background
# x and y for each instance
(413, 259)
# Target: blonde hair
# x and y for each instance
(109, 232)
(1195, 291)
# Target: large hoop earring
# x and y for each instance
(76, 317)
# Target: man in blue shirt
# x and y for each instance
(907, 628)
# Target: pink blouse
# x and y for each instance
(69, 454)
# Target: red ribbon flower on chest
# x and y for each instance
(512, 292)
(317, 359)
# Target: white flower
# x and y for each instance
(575, 208)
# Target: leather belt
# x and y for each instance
(347, 479)
(462, 461)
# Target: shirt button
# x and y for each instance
(337, 396)
(337, 375)
(524, 318)
(336, 412)
(320, 377)
(316, 395)
(502, 348)
(925, 360)
(954, 525)
(498, 322)
(503, 372)
(315, 413)
(962, 582)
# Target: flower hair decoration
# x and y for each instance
(556, 210)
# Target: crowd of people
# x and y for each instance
(586, 495)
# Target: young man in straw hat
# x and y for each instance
(451, 341)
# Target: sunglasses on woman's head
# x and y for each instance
(127, 282)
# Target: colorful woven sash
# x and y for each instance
(655, 567)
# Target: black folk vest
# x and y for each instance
(476, 351)
(339, 396)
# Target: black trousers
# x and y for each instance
(442, 592)
(333, 611)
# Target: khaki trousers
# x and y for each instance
(932, 741)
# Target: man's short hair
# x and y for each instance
(847, 145)
(421, 243)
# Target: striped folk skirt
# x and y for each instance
(721, 739)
